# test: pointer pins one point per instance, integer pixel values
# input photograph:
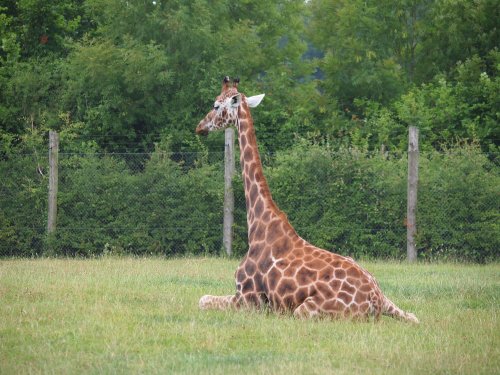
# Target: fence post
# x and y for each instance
(411, 220)
(227, 236)
(53, 181)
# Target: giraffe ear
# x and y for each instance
(236, 101)
(254, 101)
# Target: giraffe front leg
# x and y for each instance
(317, 307)
(209, 302)
(308, 309)
(237, 302)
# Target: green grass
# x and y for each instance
(141, 316)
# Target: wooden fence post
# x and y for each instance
(227, 237)
(411, 220)
(53, 181)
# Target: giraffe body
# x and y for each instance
(281, 270)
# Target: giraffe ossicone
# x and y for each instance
(281, 270)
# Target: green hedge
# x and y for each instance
(154, 207)
(343, 201)
(355, 203)
(23, 204)
(346, 201)
(459, 205)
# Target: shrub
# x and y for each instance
(348, 201)
(107, 207)
(23, 197)
(355, 203)
(458, 205)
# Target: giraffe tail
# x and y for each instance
(390, 309)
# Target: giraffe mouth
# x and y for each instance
(201, 130)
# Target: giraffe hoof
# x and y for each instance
(204, 302)
(412, 318)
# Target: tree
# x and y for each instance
(389, 64)
(463, 106)
(457, 30)
(148, 70)
(45, 28)
(367, 44)
(36, 36)
(119, 94)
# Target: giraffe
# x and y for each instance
(281, 271)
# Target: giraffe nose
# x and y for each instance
(201, 129)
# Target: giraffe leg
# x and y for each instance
(208, 302)
(316, 307)
(310, 308)
(237, 301)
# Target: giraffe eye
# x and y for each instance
(216, 106)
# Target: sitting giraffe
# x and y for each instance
(281, 270)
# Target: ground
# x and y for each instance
(140, 315)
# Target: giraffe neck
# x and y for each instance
(260, 206)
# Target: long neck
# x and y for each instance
(260, 205)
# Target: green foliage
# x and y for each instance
(459, 207)
(23, 196)
(350, 201)
(134, 76)
(119, 93)
(126, 75)
(43, 28)
(136, 72)
(457, 30)
(346, 201)
(394, 64)
(136, 81)
(27, 95)
(355, 203)
(108, 207)
(369, 47)
(465, 107)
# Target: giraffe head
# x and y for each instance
(226, 107)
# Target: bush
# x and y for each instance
(23, 206)
(348, 201)
(355, 203)
(107, 207)
(23, 197)
(458, 205)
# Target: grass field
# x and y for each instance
(125, 315)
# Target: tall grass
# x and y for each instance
(131, 315)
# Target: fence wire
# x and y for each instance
(172, 203)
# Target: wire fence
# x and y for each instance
(172, 203)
